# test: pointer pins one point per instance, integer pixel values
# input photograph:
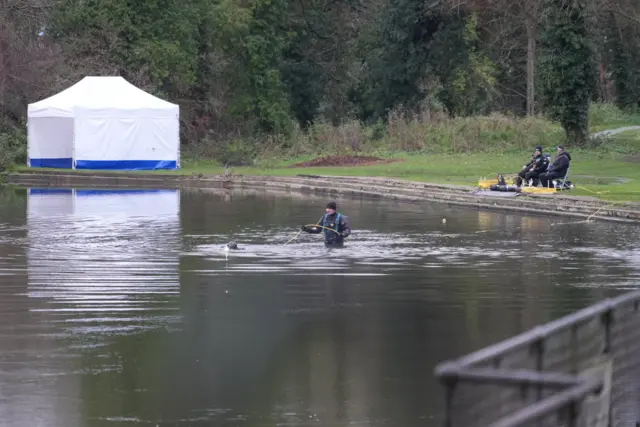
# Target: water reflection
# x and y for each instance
(582, 255)
(94, 253)
(99, 264)
(347, 331)
(122, 308)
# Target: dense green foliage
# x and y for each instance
(256, 74)
(623, 44)
(568, 80)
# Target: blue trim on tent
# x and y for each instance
(94, 192)
(50, 190)
(60, 163)
(126, 164)
(121, 191)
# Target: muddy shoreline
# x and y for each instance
(560, 204)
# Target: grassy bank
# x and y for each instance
(609, 176)
(439, 150)
(426, 134)
(608, 116)
(460, 151)
(433, 133)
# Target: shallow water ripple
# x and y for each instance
(122, 308)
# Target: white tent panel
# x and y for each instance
(60, 104)
(114, 125)
(46, 204)
(159, 206)
(116, 97)
(130, 141)
(50, 138)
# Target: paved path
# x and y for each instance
(610, 132)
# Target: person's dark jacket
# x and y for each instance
(329, 223)
(560, 164)
(529, 165)
(539, 162)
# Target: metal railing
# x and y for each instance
(580, 370)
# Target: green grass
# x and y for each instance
(449, 151)
(598, 172)
(630, 136)
(595, 173)
(611, 172)
(604, 116)
(632, 121)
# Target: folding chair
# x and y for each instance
(564, 180)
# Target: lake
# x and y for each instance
(121, 308)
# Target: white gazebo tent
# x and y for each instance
(104, 123)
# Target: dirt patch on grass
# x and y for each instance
(344, 161)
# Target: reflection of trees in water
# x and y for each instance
(342, 348)
(30, 389)
(589, 255)
(13, 203)
(257, 208)
(312, 346)
(309, 345)
(12, 220)
(13, 297)
(531, 281)
(225, 211)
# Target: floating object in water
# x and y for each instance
(444, 220)
(231, 246)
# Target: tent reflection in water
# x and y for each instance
(104, 123)
(92, 252)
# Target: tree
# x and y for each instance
(467, 76)
(507, 21)
(624, 44)
(395, 59)
(151, 43)
(251, 68)
(568, 69)
(29, 62)
(267, 39)
(531, 11)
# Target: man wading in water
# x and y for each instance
(334, 224)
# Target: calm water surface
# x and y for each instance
(122, 309)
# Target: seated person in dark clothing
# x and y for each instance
(558, 169)
(534, 168)
(334, 224)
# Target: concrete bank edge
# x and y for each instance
(401, 190)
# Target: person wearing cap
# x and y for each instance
(534, 168)
(559, 167)
(334, 224)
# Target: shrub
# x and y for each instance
(605, 113)
(434, 133)
(13, 146)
